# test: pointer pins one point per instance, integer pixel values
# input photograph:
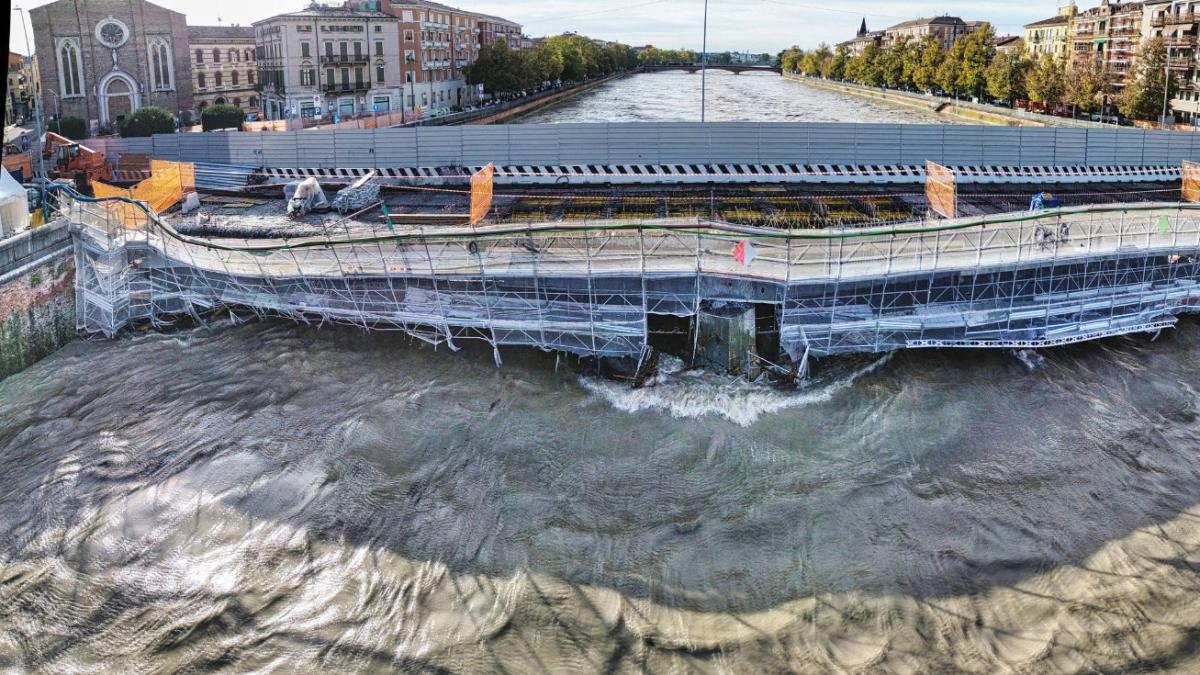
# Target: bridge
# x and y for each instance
(605, 285)
(696, 67)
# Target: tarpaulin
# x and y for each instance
(941, 190)
(481, 193)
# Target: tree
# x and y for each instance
(73, 128)
(1045, 82)
(1143, 95)
(1086, 81)
(1006, 77)
(147, 122)
(974, 53)
(835, 68)
(929, 58)
(891, 64)
(221, 116)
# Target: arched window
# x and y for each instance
(253, 101)
(238, 101)
(70, 72)
(233, 56)
(234, 78)
(201, 80)
(160, 65)
(199, 56)
(218, 79)
(250, 77)
(216, 56)
(249, 54)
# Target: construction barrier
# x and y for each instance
(941, 190)
(481, 193)
(1189, 191)
(165, 187)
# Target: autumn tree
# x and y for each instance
(928, 59)
(1144, 94)
(1006, 76)
(1045, 82)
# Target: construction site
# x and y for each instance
(756, 267)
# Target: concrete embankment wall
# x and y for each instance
(963, 110)
(37, 296)
(514, 109)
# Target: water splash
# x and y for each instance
(695, 393)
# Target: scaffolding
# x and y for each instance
(588, 287)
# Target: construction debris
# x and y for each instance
(304, 197)
(363, 193)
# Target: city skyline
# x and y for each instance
(733, 25)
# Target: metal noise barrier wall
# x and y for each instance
(1025, 280)
(670, 143)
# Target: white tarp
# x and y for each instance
(14, 205)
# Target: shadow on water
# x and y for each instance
(939, 474)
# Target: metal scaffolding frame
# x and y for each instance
(1018, 280)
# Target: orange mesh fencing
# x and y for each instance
(941, 190)
(165, 187)
(1190, 190)
(481, 193)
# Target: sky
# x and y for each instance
(733, 25)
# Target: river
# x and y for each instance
(761, 97)
(275, 497)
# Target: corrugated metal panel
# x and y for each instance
(168, 147)
(582, 143)
(395, 148)
(921, 142)
(532, 144)
(279, 149)
(962, 146)
(439, 146)
(482, 144)
(1156, 148)
(1070, 147)
(1180, 147)
(1129, 146)
(247, 148)
(633, 144)
(877, 144)
(779, 143)
(203, 147)
(833, 145)
(354, 148)
(1037, 147)
(315, 149)
(1102, 147)
(1001, 146)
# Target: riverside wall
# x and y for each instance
(37, 296)
(978, 113)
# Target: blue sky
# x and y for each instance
(734, 25)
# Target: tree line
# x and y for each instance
(563, 58)
(973, 67)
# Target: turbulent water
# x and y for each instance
(759, 97)
(279, 498)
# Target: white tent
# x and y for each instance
(14, 205)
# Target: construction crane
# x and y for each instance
(68, 159)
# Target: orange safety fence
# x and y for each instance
(481, 193)
(165, 187)
(1189, 191)
(941, 190)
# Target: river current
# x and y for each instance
(274, 497)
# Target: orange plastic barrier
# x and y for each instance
(481, 193)
(165, 187)
(1190, 189)
(941, 190)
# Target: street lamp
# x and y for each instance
(37, 105)
(704, 64)
(1162, 121)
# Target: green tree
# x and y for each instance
(1006, 76)
(891, 63)
(73, 128)
(1086, 82)
(148, 121)
(221, 116)
(1143, 95)
(974, 53)
(929, 57)
(1046, 82)
(835, 68)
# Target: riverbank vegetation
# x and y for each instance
(973, 68)
(563, 58)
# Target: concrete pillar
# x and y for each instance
(725, 337)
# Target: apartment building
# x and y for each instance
(21, 95)
(862, 39)
(1108, 34)
(326, 61)
(224, 67)
(947, 30)
(1177, 22)
(1050, 37)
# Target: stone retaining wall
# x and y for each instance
(37, 296)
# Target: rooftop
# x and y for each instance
(211, 32)
(1052, 21)
(936, 20)
(325, 11)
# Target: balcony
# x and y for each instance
(334, 59)
(1184, 41)
(1173, 20)
(345, 87)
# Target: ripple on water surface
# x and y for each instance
(274, 496)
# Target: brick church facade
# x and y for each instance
(102, 59)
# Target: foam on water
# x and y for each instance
(694, 393)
